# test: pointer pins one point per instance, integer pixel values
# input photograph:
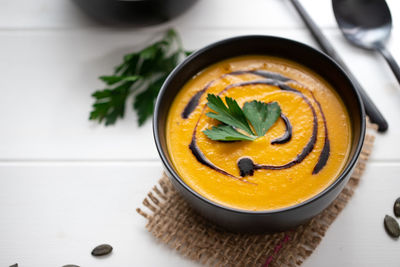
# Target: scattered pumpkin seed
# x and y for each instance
(392, 226)
(102, 250)
(396, 207)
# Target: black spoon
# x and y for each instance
(366, 24)
(372, 111)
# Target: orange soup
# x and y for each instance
(299, 156)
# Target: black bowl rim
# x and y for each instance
(345, 172)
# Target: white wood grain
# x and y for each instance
(67, 184)
(53, 214)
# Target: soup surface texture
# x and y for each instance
(299, 156)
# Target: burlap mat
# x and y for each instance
(174, 223)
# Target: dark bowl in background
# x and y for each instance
(133, 12)
(238, 220)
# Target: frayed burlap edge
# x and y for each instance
(174, 223)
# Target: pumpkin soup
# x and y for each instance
(299, 153)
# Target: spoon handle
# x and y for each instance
(390, 60)
(372, 111)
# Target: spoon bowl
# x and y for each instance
(360, 22)
(366, 24)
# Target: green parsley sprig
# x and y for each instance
(254, 119)
(141, 73)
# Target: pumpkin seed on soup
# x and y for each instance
(396, 207)
(392, 226)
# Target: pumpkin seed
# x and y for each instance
(102, 250)
(396, 207)
(392, 226)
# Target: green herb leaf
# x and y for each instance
(231, 114)
(144, 102)
(226, 133)
(188, 53)
(142, 74)
(261, 115)
(110, 104)
(110, 80)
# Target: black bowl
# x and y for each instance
(133, 12)
(273, 220)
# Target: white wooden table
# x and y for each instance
(68, 184)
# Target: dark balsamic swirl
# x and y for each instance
(323, 157)
(245, 164)
(311, 143)
(288, 132)
(261, 73)
(194, 102)
(202, 158)
(199, 155)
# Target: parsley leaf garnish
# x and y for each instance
(142, 74)
(232, 115)
(226, 133)
(261, 116)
